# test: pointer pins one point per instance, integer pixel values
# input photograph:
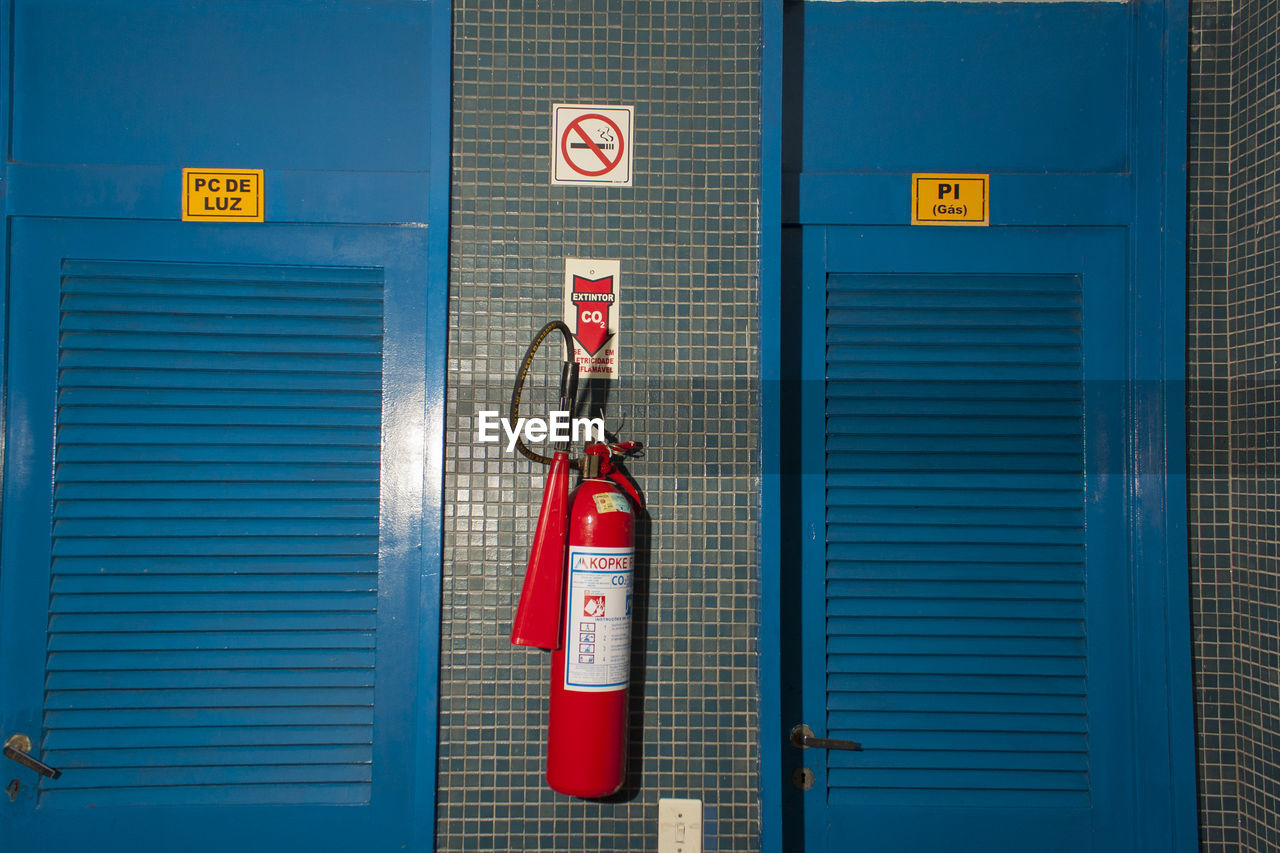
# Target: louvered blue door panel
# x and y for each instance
(965, 587)
(214, 483)
(955, 612)
(157, 514)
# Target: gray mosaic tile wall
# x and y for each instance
(686, 236)
(1254, 341)
(1233, 430)
(1208, 433)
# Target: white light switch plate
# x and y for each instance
(679, 826)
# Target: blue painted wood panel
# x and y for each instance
(344, 104)
(318, 346)
(223, 444)
(956, 646)
(966, 87)
(214, 478)
(991, 651)
(319, 86)
(962, 390)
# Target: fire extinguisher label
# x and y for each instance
(598, 625)
(611, 502)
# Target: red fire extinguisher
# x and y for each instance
(577, 600)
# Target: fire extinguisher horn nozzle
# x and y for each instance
(537, 621)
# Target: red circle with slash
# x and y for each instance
(575, 128)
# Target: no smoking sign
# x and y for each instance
(591, 145)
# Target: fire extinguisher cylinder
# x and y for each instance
(591, 668)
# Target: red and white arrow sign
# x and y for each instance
(591, 296)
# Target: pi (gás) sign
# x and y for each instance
(591, 311)
(591, 145)
(944, 199)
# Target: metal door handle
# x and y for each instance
(18, 748)
(803, 737)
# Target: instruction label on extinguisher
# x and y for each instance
(591, 304)
(598, 625)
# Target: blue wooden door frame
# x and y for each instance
(406, 547)
(1097, 257)
(417, 200)
(1151, 200)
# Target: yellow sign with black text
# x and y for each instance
(222, 195)
(950, 199)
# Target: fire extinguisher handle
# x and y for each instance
(624, 481)
(599, 462)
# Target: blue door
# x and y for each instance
(220, 518)
(983, 580)
(965, 613)
(212, 521)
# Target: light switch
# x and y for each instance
(679, 826)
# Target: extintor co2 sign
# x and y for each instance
(591, 301)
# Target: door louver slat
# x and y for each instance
(955, 540)
(214, 581)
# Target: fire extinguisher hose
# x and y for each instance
(568, 385)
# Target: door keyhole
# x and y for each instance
(802, 778)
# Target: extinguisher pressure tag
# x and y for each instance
(611, 502)
(597, 639)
